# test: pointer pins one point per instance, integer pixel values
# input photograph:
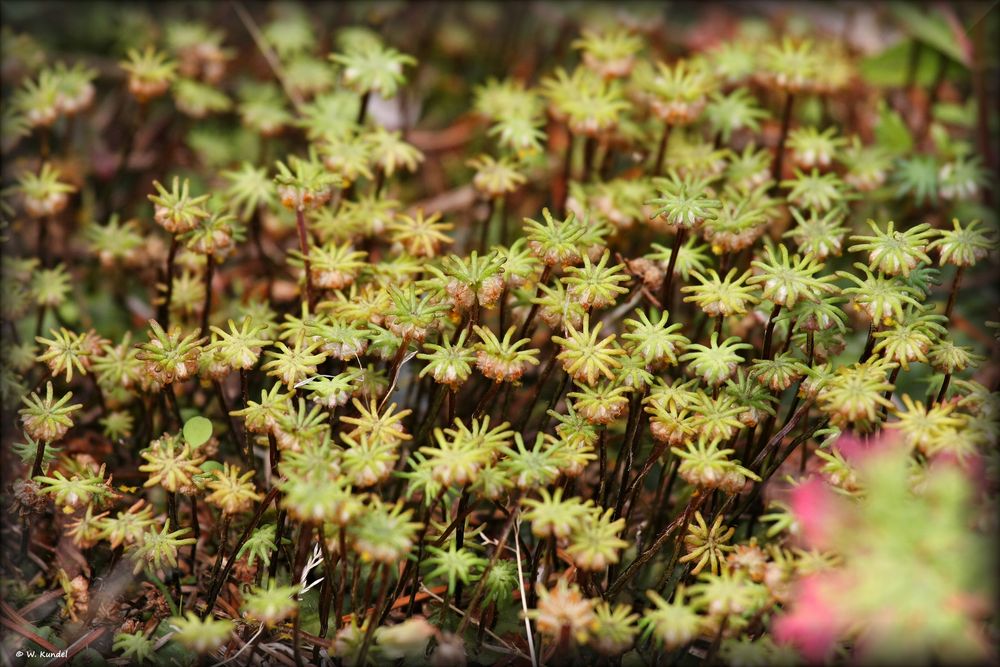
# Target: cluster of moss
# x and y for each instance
(651, 352)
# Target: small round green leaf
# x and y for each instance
(197, 431)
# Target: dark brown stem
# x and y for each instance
(300, 224)
(779, 155)
(174, 408)
(36, 466)
(953, 294)
(869, 342)
(450, 400)
(245, 401)
(195, 533)
(502, 219)
(756, 490)
(888, 394)
(339, 603)
(944, 388)
(164, 315)
(713, 650)
(632, 429)
(244, 388)
(221, 554)
(666, 294)
(413, 567)
(534, 559)
(379, 182)
(542, 280)
(355, 584)
(627, 452)
(175, 524)
(502, 316)
(693, 504)
(563, 194)
(44, 147)
(206, 309)
(42, 249)
(326, 592)
(607, 163)
(432, 413)
(661, 151)
(375, 613)
(631, 489)
(217, 585)
(765, 352)
(477, 594)
(484, 230)
(983, 102)
(461, 513)
(602, 462)
(537, 390)
(775, 441)
(39, 320)
(363, 109)
(301, 555)
(99, 393)
(552, 402)
(589, 146)
(661, 502)
(273, 454)
(488, 396)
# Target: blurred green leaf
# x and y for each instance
(931, 29)
(891, 132)
(962, 115)
(889, 67)
(211, 466)
(197, 431)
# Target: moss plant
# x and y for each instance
(392, 333)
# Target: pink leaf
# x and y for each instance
(812, 625)
(817, 510)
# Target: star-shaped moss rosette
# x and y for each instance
(609, 53)
(38, 99)
(895, 252)
(734, 112)
(43, 193)
(671, 624)
(374, 68)
(150, 73)
(48, 419)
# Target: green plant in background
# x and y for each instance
(423, 390)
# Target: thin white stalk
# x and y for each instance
(314, 560)
(395, 380)
(524, 596)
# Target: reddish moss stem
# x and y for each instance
(779, 155)
(953, 294)
(661, 151)
(164, 314)
(300, 224)
(668, 279)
